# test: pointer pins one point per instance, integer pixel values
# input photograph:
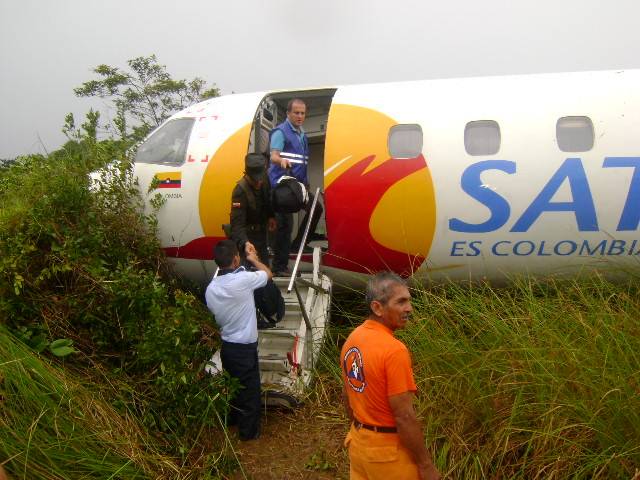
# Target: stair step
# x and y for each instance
(283, 282)
(283, 326)
(285, 332)
(291, 304)
(274, 363)
(275, 344)
(290, 320)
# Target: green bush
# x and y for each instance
(79, 261)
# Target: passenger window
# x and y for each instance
(574, 134)
(405, 141)
(168, 144)
(482, 137)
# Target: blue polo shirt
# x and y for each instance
(277, 139)
(292, 145)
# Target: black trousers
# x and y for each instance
(241, 361)
(283, 243)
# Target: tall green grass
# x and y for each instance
(67, 424)
(52, 427)
(540, 379)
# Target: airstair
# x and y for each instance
(289, 351)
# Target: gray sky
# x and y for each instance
(48, 47)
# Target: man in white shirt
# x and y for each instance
(229, 296)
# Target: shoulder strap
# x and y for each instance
(251, 197)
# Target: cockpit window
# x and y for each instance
(168, 144)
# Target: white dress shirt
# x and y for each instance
(230, 299)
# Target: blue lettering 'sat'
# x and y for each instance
(582, 204)
(498, 206)
(494, 248)
(630, 218)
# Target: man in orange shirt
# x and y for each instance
(385, 440)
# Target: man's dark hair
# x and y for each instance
(295, 100)
(380, 286)
(224, 252)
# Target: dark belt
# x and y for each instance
(240, 346)
(255, 228)
(374, 428)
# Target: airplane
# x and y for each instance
(470, 178)
(455, 179)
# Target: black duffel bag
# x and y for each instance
(289, 195)
(269, 304)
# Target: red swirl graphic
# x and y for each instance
(351, 200)
(198, 249)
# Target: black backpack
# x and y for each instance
(269, 302)
(289, 195)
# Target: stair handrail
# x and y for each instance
(304, 240)
(303, 311)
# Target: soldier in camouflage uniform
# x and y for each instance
(251, 212)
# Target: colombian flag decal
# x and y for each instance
(169, 179)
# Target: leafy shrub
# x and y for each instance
(79, 262)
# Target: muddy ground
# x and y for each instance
(301, 444)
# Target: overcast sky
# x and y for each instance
(49, 47)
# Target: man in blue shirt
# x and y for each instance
(229, 297)
(290, 156)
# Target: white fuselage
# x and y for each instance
(463, 179)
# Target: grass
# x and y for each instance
(54, 428)
(540, 379)
(58, 423)
(535, 380)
